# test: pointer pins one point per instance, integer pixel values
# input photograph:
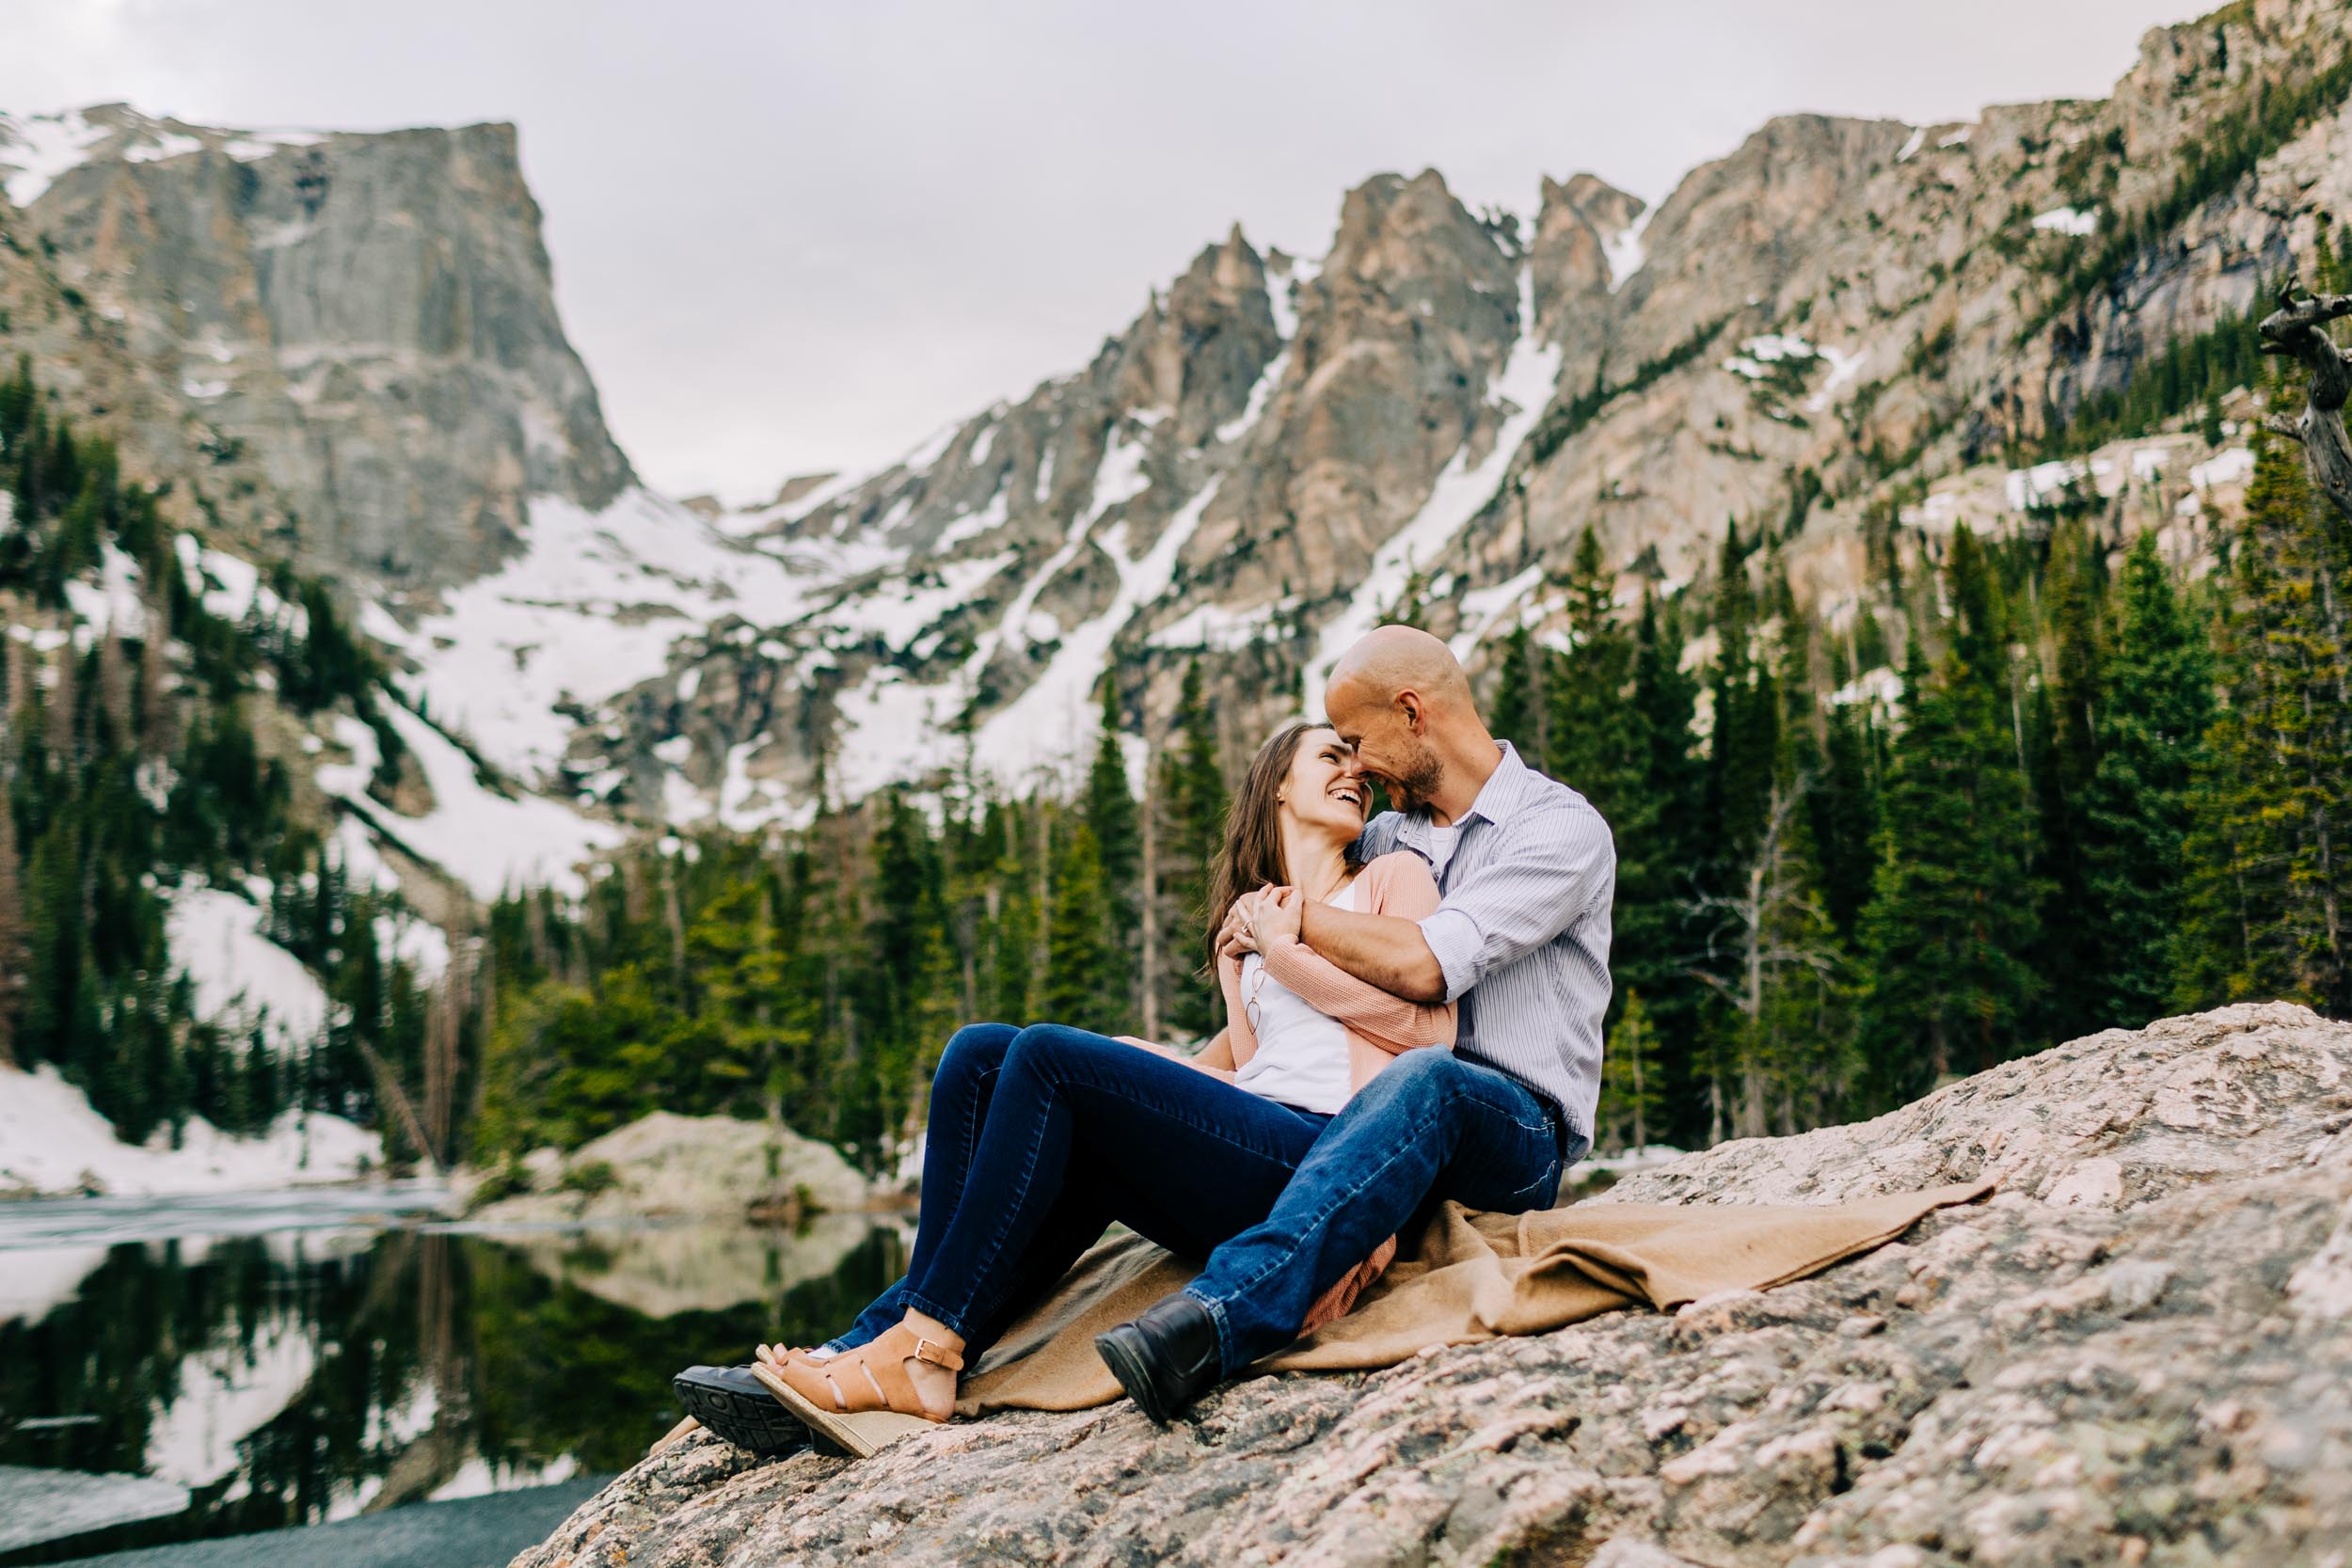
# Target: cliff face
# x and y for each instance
(2136, 1353)
(370, 316)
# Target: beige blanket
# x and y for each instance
(1467, 1278)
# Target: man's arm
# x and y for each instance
(1383, 950)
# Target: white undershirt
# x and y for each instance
(1302, 1053)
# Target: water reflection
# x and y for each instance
(296, 1378)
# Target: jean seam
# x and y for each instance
(971, 1146)
(1019, 1192)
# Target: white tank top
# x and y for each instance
(1302, 1053)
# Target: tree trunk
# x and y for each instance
(2298, 330)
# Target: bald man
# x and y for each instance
(1520, 944)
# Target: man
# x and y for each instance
(1527, 870)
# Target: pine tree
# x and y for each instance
(1520, 712)
(1084, 986)
(1191, 800)
(1844, 807)
(12, 928)
(1110, 812)
(2148, 734)
(1950, 932)
(1654, 942)
(2065, 758)
(1633, 1096)
(2271, 879)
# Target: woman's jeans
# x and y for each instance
(1041, 1137)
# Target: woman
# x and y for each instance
(1041, 1137)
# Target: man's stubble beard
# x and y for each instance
(1417, 786)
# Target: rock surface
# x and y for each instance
(2141, 1350)
(669, 1167)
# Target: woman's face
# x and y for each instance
(1326, 791)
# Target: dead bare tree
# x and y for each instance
(1769, 919)
(2298, 331)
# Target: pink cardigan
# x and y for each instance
(1381, 1027)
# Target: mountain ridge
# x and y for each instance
(1849, 333)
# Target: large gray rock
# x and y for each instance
(2140, 1351)
(664, 1166)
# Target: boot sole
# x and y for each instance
(1134, 1376)
(754, 1422)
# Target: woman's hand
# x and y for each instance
(1278, 917)
(1255, 919)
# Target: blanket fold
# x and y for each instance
(1467, 1278)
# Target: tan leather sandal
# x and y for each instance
(861, 1399)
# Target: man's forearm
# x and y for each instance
(1378, 949)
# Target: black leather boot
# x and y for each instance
(1165, 1358)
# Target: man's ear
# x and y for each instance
(1416, 717)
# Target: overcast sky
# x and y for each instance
(791, 236)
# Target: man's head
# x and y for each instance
(1400, 698)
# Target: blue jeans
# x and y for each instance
(1040, 1137)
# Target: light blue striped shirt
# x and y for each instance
(1523, 933)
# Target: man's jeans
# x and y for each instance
(1041, 1137)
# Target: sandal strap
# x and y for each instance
(872, 1377)
(937, 1355)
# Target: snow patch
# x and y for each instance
(242, 980)
(1057, 717)
(223, 1394)
(1843, 367)
(899, 612)
(2234, 466)
(1214, 626)
(487, 841)
(2068, 220)
(37, 149)
(39, 1280)
(111, 603)
(1484, 610)
(52, 1141)
(590, 609)
(1622, 251)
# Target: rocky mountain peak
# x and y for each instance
(1587, 240)
(308, 294)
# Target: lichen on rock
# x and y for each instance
(2137, 1352)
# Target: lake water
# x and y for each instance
(294, 1360)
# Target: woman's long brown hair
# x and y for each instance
(1252, 855)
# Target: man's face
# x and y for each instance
(1386, 746)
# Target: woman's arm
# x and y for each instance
(1397, 886)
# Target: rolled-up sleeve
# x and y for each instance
(1549, 867)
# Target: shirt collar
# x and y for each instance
(1496, 800)
(1501, 790)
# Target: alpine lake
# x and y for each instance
(191, 1369)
